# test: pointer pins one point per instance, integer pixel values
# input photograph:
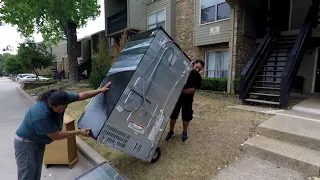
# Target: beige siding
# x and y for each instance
(60, 51)
(137, 14)
(202, 32)
(159, 5)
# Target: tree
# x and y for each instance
(101, 64)
(54, 19)
(12, 65)
(34, 56)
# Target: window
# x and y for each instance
(217, 64)
(157, 19)
(214, 10)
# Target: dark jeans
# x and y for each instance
(29, 158)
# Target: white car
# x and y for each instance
(19, 76)
(33, 78)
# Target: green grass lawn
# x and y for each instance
(215, 138)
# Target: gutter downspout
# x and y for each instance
(231, 49)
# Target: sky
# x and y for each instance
(10, 36)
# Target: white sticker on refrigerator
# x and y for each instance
(155, 129)
(137, 127)
(119, 108)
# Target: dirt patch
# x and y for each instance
(215, 138)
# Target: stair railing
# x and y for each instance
(255, 63)
(296, 55)
(85, 65)
(60, 74)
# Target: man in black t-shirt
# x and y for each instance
(185, 101)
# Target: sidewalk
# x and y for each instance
(13, 106)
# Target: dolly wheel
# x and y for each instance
(156, 155)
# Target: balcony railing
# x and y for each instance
(117, 22)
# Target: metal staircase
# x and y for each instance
(85, 65)
(268, 76)
(266, 86)
(59, 74)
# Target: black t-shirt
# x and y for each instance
(194, 81)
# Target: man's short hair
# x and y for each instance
(199, 61)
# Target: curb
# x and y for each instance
(88, 153)
(26, 95)
(84, 149)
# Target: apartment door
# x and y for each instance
(280, 11)
(317, 83)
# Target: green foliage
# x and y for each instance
(12, 65)
(47, 17)
(101, 64)
(34, 56)
(54, 19)
(236, 85)
(219, 84)
(214, 84)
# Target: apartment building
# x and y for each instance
(201, 27)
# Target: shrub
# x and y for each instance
(236, 85)
(101, 64)
(214, 84)
(119, 47)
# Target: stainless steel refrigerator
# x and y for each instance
(147, 79)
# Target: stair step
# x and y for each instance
(262, 101)
(269, 82)
(273, 66)
(271, 76)
(278, 56)
(266, 88)
(280, 51)
(282, 47)
(271, 70)
(264, 94)
(285, 154)
(287, 36)
(284, 41)
(293, 129)
(276, 60)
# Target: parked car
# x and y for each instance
(33, 78)
(19, 76)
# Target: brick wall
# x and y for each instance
(185, 32)
(243, 46)
(185, 27)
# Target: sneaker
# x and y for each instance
(170, 135)
(184, 136)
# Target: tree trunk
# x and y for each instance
(70, 30)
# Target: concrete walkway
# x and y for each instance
(12, 110)
(287, 146)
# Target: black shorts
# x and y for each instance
(187, 112)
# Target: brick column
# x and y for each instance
(185, 28)
(241, 46)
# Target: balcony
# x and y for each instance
(117, 22)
